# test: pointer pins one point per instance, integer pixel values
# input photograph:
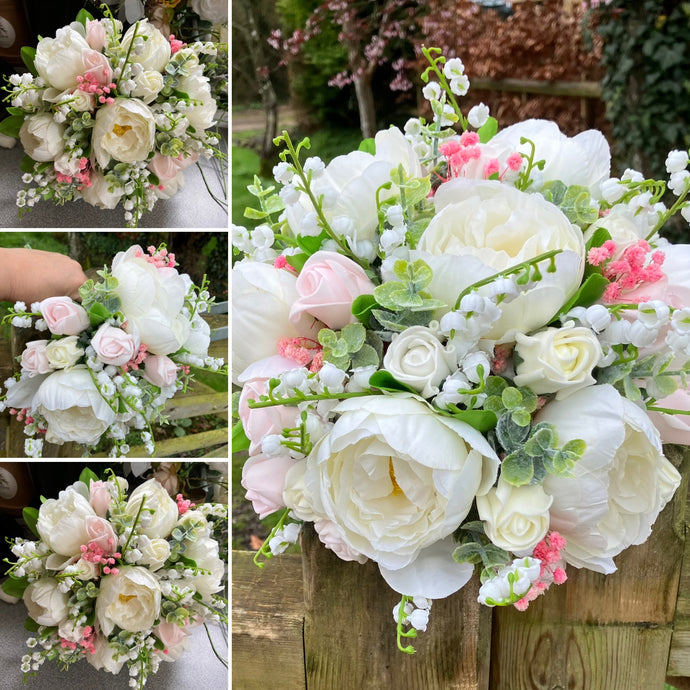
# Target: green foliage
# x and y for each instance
(476, 548)
(575, 202)
(502, 399)
(646, 54)
(408, 292)
(352, 347)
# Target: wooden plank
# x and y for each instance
(598, 631)
(184, 406)
(267, 623)
(222, 452)
(172, 447)
(350, 639)
(577, 89)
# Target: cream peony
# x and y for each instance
(203, 107)
(159, 523)
(62, 522)
(395, 478)
(124, 130)
(104, 656)
(557, 360)
(73, 407)
(621, 483)
(100, 193)
(214, 11)
(484, 227)
(155, 52)
(516, 518)
(59, 60)
(262, 297)
(130, 600)
(205, 553)
(152, 300)
(41, 137)
(417, 358)
(45, 603)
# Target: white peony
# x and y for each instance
(204, 552)
(516, 518)
(214, 11)
(395, 478)
(155, 52)
(203, 109)
(59, 60)
(41, 137)
(484, 227)
(621, 483)
(104, 656)
(130, 600)
(62, 522)
(159, 523)
(557, 360)
(45, 603)
(100, 194)
(152, 300)
(72, 407)
(124, 130)
(261, 300)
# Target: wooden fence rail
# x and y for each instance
(313, 622)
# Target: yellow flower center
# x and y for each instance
(124, 598)
(391, 473)
(121, 129)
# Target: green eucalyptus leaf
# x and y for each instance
(364, 357)
(510, 435)
(517, 468)
(354, 335)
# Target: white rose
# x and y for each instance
(214, 11)
(58, 60)
(581, 160)
(130, 600)
(623, 225)
(155, 52)
(99, 193)
(159, 524)
(155, 553)
(397, 480)
(261, 300)
(62, 522)
(77, 99)
(152, 300)
(72, 407)
(484, 227)
(516, 518)
(417, 358)
(147, 85)
(87, 570)
(204, 552)
(557, 360)
(203, 110)
(621, 483)
(41, 137)
(45, 603)
(64, 352)
(124, 130)
(104, 656)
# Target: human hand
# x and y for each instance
(32, 275)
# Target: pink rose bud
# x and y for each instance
(160, 370)
(101, 532)
(113, 345)
(327, 285)
(99, 497)
(63, 316)
(95, 34)
(167, 167)
(170, 634)
(96, 65)
(35, 359)
(264, 479)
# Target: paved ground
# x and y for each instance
(249, 120)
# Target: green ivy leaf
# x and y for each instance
(587, 294)
(28, 55)
(32, 626)
(385, 381)
(481, 420)
(297, 261)
(30, 516)
(488, 130)
(11, 125)
(368, 146)
(239, 438)
(362, 306)
(15, 586)
(87, 476)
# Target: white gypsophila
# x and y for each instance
(283, 172)
(289, 194)
(451, 391)
(284, 537)
(315, 166)
(676, 161)
(678, 182)
(631, 175)
(413, 127)
(240, 238)
(680, 321)
(432, 91)
(394, 215)
(522, 571)
(392, 238)
(359, 378)
(612, 190)
(504, 288)
(478, 115)
(453, 68)
(460, 85)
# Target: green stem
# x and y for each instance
(666, 410)
(679, 203)
(445, 86)
(213, 647)
(134, 524)
(129, 50)
(295, 400)
(508, 271)
(400, 633)
(265, 550)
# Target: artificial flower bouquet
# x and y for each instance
(462, 348)
(110, 117)
(107, 366)
(117, 578)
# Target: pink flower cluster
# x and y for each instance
(83, 176)
(87, 642)
(90, 84)
(183, 504)
(634, 267)
(303, 351)
(160, 259)
(175, 44)
(459, 153)
(93, 553)
(548, 551)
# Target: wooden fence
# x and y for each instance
(313, 622)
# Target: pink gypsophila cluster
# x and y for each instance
(304, 351)
(93, 553)
(183, 504)
(83, 176)
(552, 569)
(634, 267)
(87, 642)
(159, 258)
(175, 44)
(89, 84)
(134, 363)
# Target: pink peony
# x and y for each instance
(327, 285)
(160, 370)
(63, 316)
(331, 537)
(264, 479)
(113, 345)
(35, 359)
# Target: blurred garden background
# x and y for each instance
(337, 71)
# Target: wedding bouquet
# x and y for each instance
(115, 578)
(460, 347)
(111, 362)
(110, 117)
